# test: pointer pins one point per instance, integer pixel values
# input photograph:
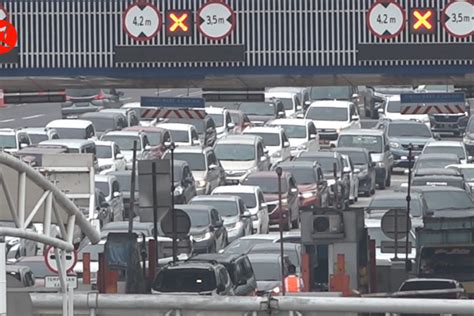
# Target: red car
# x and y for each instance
(157, 136)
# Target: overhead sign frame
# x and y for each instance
(384, 18)
(214, 19)
(142, 21)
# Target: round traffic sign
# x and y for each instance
(8, 37)
(3, 13)
(386, 19)
(394, 222)
(51, 263)
(458, 18)
(216, 20)
(142, 21)
(183, 223)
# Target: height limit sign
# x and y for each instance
(216, 20)
(142, 21)
(386, 19)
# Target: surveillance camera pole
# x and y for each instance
(283, 289)
(173, 214)
(131, 211)
(407, 264)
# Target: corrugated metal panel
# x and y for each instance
(276, 33)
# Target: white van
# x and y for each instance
(73, 129)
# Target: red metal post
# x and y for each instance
(86, 268)
(151, 260)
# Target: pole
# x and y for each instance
(3, 278)
(131, 213)
(282, 263)
(155, 202)
(410, 157)
(173, 214)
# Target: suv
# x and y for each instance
(419, 284)
(274, 140)
(363, 167)
(158, 137)
(302, 134)
(12, 140)
(193, 277)
(39, 134)
(205, 127)
(332, 165)
(130, 114)
(182, 134)
(184, 184)
(222, 119)
(313, 188)
(268, 182)
(377, 143)
(261, 112)
(241, 155)
(239, 268)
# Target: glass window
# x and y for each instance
(115, 186)
(7, 141)
(195, 160)
(294, 131)
(197, 123)
(269, 139)
(199, 218)
(267, 271)
(103, 187)
(331, 93)
(71, 133)
(457, 150)
(357, 157)
(180, 136)
(194, 135)
(401, 130)
(394, 106)
(242, 208)
(319, 113)
(235, 152)
(258, 108)
(385, 203)
(124, 142)
(267, 184)
(103, 124)
(236, 118)
(185, 280)
(248, 198)
(154, 138)
(312, 129)
(90, 149)
(445, 201)
(103, 152)
(287, 103)
(303, 176)
(218, 119)
(36, 138)
(224, 208)
(371, 143)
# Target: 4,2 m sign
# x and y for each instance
(386, 19)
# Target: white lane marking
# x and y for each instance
(6, 121)
(195, 93)
(33, 116)
(125, 99)
(164, 91)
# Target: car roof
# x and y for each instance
(191, 149)
(231, 198)
(352, 149)
(267, 174)
(236, 189)
(393, 97)
(219, 257)
(444, 143)
(124, 224)
(263, 129)
(437, 172)
(264, 257)
(239, 139)
(122, 133)
(194, 207)
(36, 130)
(175, 126)
(330, 103)
(103, 142)
(362, 132)
(289, 121)
(391, 196)
(188, 264)
(71, 123)
(438, 156)
(215, 110)
(298, 164)
(67, 142)
(424, 189)
(460, 166)
(144, 129)
(318, 154)
(100, 115)
(8, 131)
(274, 246)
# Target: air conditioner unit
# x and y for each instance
(328, 225)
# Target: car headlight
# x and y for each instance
(338, 130)
(380, 164)
(331, 182)
(234, 226)
(105, 167)
(394, 145)
(302, 147)
(201, 183)
(178, 190)
(254, 217)
(306, 195)
(467, 140)
(206, 236)
(276, 154)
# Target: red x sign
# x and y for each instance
(8, 37)
(179, 23)
(423, 21)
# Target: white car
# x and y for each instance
(109, 157)
(222, 119)
(182, 134)
(39, 134)
(392, 111)
(274, 140)
(302, 134)
(110, 186)
(12, 140)
(73, 128)
(290, 99)
(353, 179)
(448, 147)
(331, 117)
(255, 202)
(125, 140)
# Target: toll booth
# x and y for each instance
(335, 243)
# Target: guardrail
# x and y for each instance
(95, 304)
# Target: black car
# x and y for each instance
(207, 228)
(267, 269)
(332, 166)
(193, 277)
(442, 181)
(445, 201)
(261, 112)
(98, 97)
(413, 286)
(435, 161)
(364, 168)
(403, 133)
(184, 184)
(239, 268)
(385, 201)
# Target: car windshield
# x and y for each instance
(295, 131)
(287, 103)
(244, 245)
(218, 119)
(468, 173)
(327, 113)
(266, 184)
(357, 157)
(408, 130)
(195, 160)
(235, 152)
(331, 93)
(197, 123)
(71, 133)
(102, 124)
(303, 176)
(180, 136)
(371, 143)
(225, 208)
(236, 118)
(267, 271)
(327, 163)
(258, 108)
(103, 151)
(103, 187)
(394, 106)
(35, 138)
(448, 200)
(199, 218)
(249, 198)
(269, 139)
(434, 163)
(124, 142)
(385, 203)
(125, 182)
(457, 150)
(154, 138)
(7, 141)
(185, 280)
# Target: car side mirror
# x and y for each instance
(212, 167)
(346, 170)
(357, 171)
(231, 125)
(312, 136)
(380, 111)
(263, 205)
(147, 147)
(265, 150)
(355, 117)
(355, 96)
(286, 144)
(117, 194)
(300, 115)
(246, 214)
(196, 142)
(119, 156)
(263, 158)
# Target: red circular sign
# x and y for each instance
(8, 37)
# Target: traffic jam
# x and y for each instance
(265, 192)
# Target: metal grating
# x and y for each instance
(82, 34)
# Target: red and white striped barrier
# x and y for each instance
(165, 113)
(432, 109)
(2, 101)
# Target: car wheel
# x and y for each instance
(389, 180)
(372, 192)
(356, 197)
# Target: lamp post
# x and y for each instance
(171, 146)
(410, 157)
(283, 289)
(131, 211)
